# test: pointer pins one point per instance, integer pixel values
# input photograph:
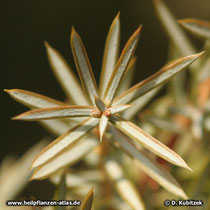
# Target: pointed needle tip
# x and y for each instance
(187, 167)
(201, 53)
(185, 196)
(46, 43)
(15, 118)
(7, 90)
(32, 164)
(92, 189)
(138, 30)
(118, 15)
(73, 30)
(32, 176)
(101, 138)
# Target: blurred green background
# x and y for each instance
(25, 24)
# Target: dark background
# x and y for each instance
(25, 24)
